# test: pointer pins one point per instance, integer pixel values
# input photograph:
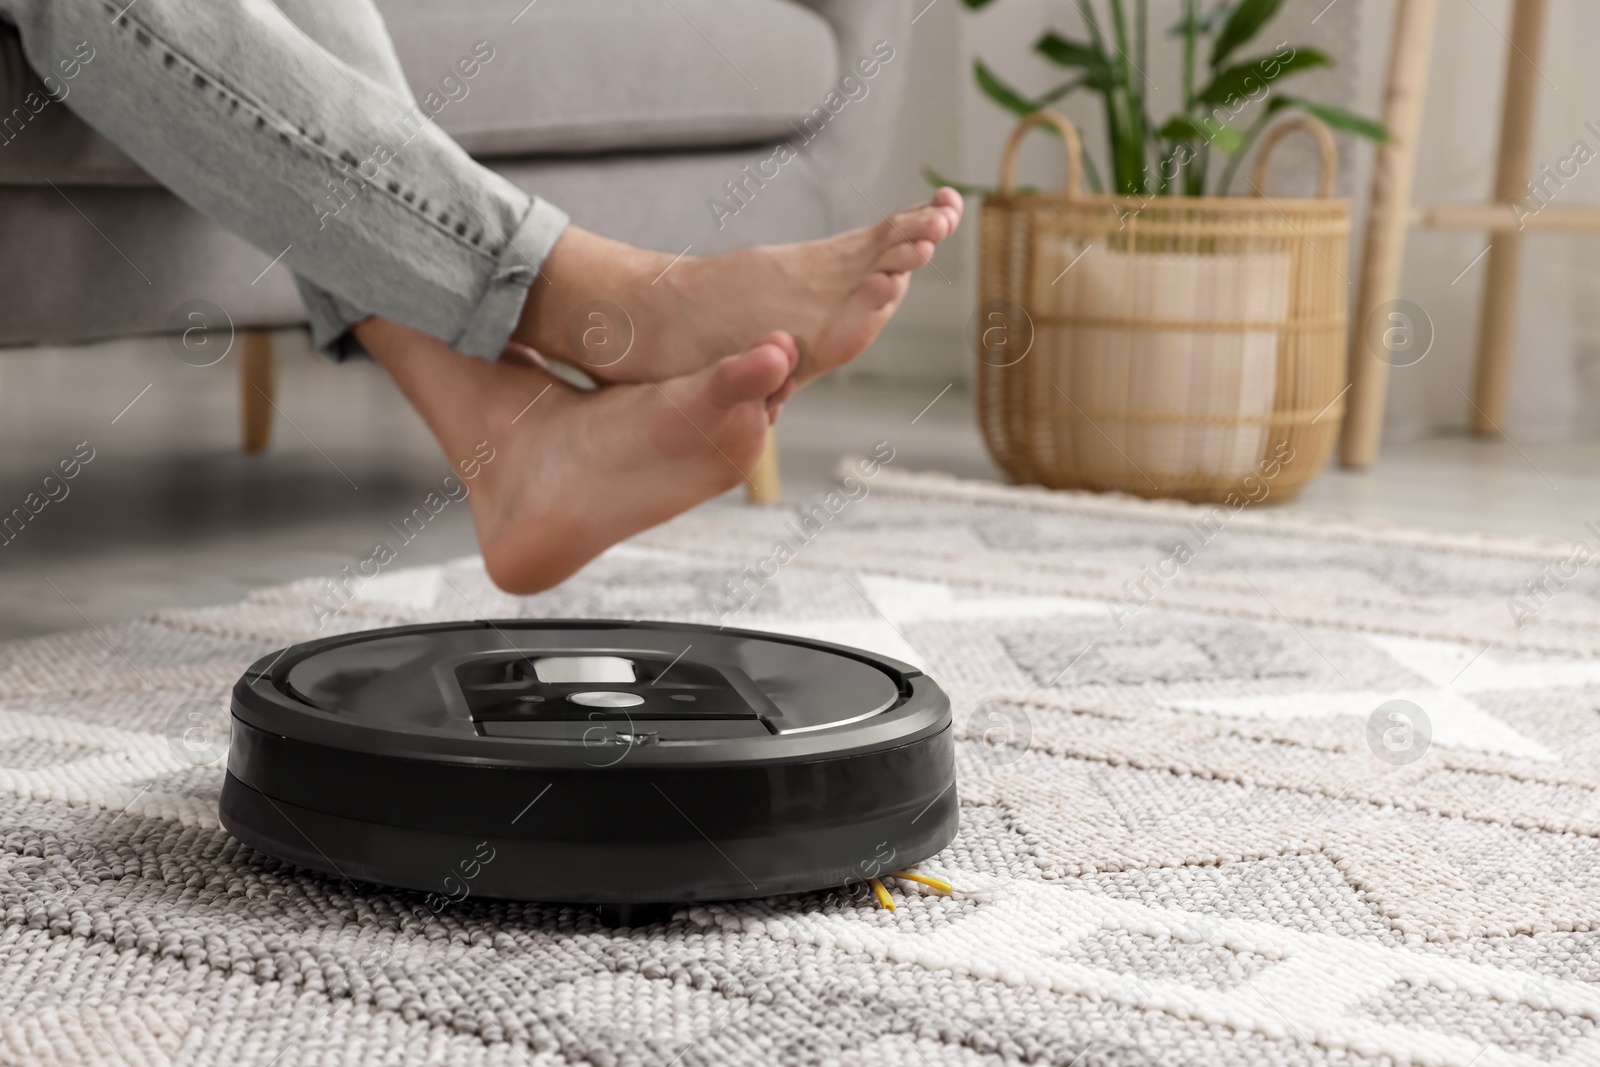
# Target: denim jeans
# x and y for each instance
(289, 122)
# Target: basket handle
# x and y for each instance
(1069, 136)
(1325, 148)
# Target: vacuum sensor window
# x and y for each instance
(560, 670)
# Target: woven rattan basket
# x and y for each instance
(1189, 347)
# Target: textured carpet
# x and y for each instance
(1206, 835)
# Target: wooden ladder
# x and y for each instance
(1391, 215)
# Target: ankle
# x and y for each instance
(582, 268)
(462, 399)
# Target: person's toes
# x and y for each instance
(776, 401)
(921, 223)
(754, 374)
(750, 374)
(905, 257)
(784, 340)
(951, 201)
(907, 241)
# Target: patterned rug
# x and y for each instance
(1237, 788)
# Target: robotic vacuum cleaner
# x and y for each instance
(580, 761)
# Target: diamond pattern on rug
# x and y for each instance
(1298, 892)
(1201, 965)
(1487, 1020)
(1178, 843)
(21, 753)
(1168, 654)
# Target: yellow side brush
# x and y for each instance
(912, 876)
(886, 901)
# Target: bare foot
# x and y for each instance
(833, 296)
(575, 472)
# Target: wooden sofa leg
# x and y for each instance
(256, 389)
(763, 485)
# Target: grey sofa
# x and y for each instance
(633, 115)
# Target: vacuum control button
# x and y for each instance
(606, 700)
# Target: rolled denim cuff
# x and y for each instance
(331, 319)
(489, 326)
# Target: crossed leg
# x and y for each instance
(247, 110)
(576, 472)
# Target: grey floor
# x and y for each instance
(169, 513)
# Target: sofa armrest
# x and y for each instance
(856, 145)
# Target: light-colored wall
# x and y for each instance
(1556, 381)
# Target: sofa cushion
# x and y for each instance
(579, 76)
(557, 77)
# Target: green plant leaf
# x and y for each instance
(1087, 11)
(1189, 30)
(1181, 27)
(1336, 117)
(1240, 81)
(1061, 91)
(1119, 29)
(1181, 128)
(1244, 22)
(1124, 108)
(1188, 128)
(1015, 102)
(976, 4)
(999, 91)
(1067, 52)
(1077, 54)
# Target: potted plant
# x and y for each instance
(1111, 63)
(1180, 335)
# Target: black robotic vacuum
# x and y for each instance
(582, 761)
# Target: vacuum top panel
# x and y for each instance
(552, 690)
